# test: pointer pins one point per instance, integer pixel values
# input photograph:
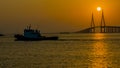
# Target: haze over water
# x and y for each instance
(70, 51)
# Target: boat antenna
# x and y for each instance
(29, 27)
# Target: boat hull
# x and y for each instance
(22, 38)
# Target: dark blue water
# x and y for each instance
(70, 51)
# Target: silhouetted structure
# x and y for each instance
(33, 35)
(1, 35)
(103, 28)
(103, 25)
(92, 25)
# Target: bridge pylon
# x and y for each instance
(92, 25)
(102, 25)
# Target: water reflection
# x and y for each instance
(99, 36)
(99, 54)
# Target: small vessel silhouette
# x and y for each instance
(1, 35)
(33, 35)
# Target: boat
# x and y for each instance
(1, 35)
(33, 35)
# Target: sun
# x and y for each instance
(98, 8)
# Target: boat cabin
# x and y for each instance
(31, 33)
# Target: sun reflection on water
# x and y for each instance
(99, 36)
(99, 53)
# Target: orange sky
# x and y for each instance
(55, 15)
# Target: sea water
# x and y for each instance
(70, 51)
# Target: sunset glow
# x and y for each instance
(66, 15)
(98, 8)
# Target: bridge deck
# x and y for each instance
(103, 29)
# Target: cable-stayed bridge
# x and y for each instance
(103, 28)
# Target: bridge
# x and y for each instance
(102, 28)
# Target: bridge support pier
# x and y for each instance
(103, 29)
(92, 30)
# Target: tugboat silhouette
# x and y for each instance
(32, 35)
